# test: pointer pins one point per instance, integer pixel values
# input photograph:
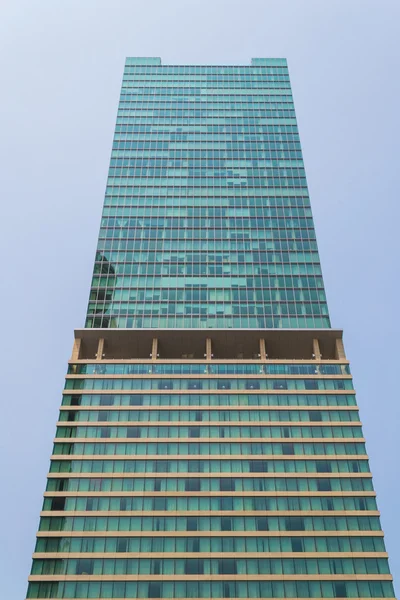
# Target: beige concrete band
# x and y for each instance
(210, 494)
(324, 533)
(280, 577)
(179, 474)
(48, 555)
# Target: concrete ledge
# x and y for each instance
(191, 344)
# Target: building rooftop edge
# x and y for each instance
(156, 61)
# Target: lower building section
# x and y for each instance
(209, 464)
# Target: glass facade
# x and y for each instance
(229, 463)
(207, 220)
(256, 489)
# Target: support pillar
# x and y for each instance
(339, 350)
(154, 349)
(263, 349)
(100, 349)
(208, 354)
(316, 350)
(76, 349)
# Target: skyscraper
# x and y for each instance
(209, 442)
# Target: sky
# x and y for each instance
(61, 70)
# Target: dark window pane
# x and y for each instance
(191, 524)
(227, 566)
(227, 485)
(226, 524)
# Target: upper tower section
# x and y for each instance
(207, 220)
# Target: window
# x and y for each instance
(61, 485)
(58, 503)
(136, 400)
(223, 385)
(156, 567)
(258, 466)
(227, 566)
(324, 485)
(192, 485)
(294, 524)
(106, 400)
(161, 466)
(194, 385)
(329, 503)
(315, 415)
(311, 384)
(229, 590)
(191, 524)
(165, 385)
(192, 545)
(194, 566)
(262, 524)
(194, 432)
(227, 485)
(252, 385)
(340, 589)
(226, 503)
(297, 545)
(133, 432)
(84, 567)
(361, 504)
(287, 448)
(194, 466)
(323, 466)
(280, 385)
(122, 545)
(226, 524)
(154, 590)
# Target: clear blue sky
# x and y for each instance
(61, 68)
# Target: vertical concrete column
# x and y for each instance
(316, 350)
(100, 349)
(263, 349)
(76, 349)
(208, 349)
(339, 350)
(154, 349)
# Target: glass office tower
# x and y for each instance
(209, 442)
